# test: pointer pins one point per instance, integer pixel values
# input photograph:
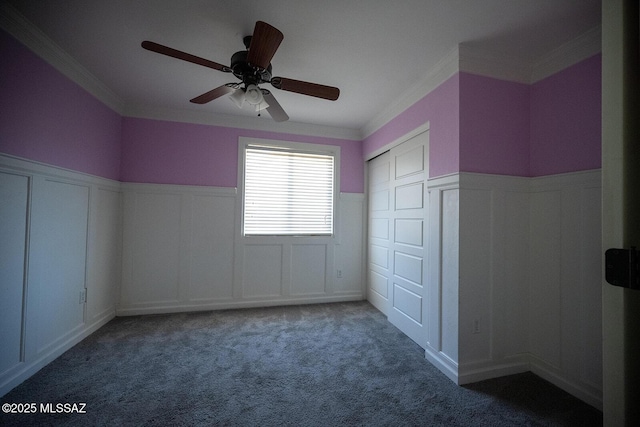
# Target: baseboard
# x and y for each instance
(231, 304)
(103, 318)
(30, 368)
(443, 363)
(481, 371)
(485, 370)
(583, 392)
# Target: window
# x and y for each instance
(289, 189)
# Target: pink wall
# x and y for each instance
(441, 108)
(47, 118)
(180, 153)
(485, 125)
(477, 124)
(566, 119)
(494, 126)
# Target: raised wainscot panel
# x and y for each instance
(308, 269)
(105, 254)
(348, 254)
(212, 243)
(475, 296)
(57, 262)
(545, 287)
(14, 193)
(591, 291)
(450, 271)
(262, 271)
(154, 242)
(512, 292)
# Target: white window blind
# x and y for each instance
(288, 192)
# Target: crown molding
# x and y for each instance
(28, 34)
(444, 69)
(582, 47)
(472, 60)
(491, 64)
(229, 121)
(34, 39)
(461, 58)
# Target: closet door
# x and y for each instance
(379, 173)
(409, 171)
(398, 236)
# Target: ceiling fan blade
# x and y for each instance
(264, 43)
(274, 109)
(305, 88)
(213, 94)
(158, 48)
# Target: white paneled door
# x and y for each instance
(398, 235)
(379, 173)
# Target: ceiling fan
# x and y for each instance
(252, 67)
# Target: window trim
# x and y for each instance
(333, 150)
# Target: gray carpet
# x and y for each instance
(314, 365)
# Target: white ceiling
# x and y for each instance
(373, 50)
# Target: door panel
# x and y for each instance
(409, 303)
(380, 228)
(408, 267)
(379, 174)
(410, 162)
(379, 255)
(409, 196)
(399, 260)
(379, 284)
(409, 231)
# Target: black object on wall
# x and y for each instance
(622, 267)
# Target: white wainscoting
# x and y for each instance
(565, 292)
(141, 248)
(526, 294)
(442, 281)
(60, 262)
(494, 276)
(182, 251)
(529, 291)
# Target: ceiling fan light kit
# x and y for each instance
(252, 67)
(238, 97)
(253, 95)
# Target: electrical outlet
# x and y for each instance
(339, 274)
(476, 326)
(83, 296)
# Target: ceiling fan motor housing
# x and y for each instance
(246, 72)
